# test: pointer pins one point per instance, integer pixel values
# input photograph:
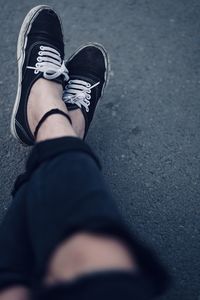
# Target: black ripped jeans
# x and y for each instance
(62, 193)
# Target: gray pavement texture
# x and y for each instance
(147, 128)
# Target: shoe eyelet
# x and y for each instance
(88, 97)
(39, 59)
(36, 71)
(37, 65)
(41, 47)
(88, 85)
(88, 91)
(40, 53)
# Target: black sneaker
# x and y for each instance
(40, 54)
(88, 71)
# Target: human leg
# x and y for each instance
(40, 33)
(69, 198)
(89, 207)
(69, 203)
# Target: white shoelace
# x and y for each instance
(78, 92)
(50, 63)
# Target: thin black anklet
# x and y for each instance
(49, 113)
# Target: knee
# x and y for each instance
(84, 253)
(17, 292)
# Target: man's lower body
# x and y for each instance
(63, 237)
(63, 195)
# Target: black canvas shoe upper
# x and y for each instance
(43, 51)
(88, 71)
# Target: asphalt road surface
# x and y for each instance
(147, 128)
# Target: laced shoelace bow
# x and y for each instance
(49, 62)
(78, 92)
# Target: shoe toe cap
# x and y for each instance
(48, 23)
(92, 58)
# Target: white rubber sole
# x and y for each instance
(21, 46)
(106, 59)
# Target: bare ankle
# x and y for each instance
(43, 87)
(44, 96)
(55, 126)
(78, 122)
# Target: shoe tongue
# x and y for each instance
(59, 80)
(42, 40)
(85, 77)
(33, 60)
